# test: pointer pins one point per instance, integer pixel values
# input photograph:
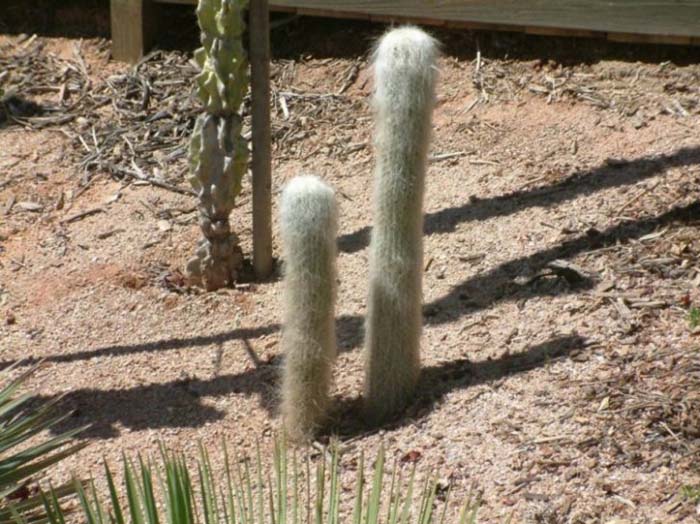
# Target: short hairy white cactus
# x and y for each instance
(308, 224)
(405, 75)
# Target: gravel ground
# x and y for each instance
(561, 372)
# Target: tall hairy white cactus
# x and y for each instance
(308, 223)
(405, 76)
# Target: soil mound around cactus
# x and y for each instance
(561, 285)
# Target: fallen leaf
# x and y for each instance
(411, 457)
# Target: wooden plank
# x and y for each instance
(558, 31)
(328, 13)
(664, 18)
(650, 39)
(133, 25)
(261, 165)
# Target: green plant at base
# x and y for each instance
(691, 493)
(294, 492)
(694, 317)
(218, 153)
(22, 465)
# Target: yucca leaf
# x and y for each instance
(34, 501)
(428, 498)
(280, 458)
(295, 498)
(320, 488)
(249, 491)
(147, 493)
(308, 489)
(231, 493)
(271, 500)
(261, 509)
(375, 495)
(406, 511)
(208, 491)
(334, 489)
(393, 509)
(114, 497)
(10, 476)
(132, 494)
(89, 511)
(357, 511)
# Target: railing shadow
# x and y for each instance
(473, 294)
(153, 406)
(579, 184)
(179, 403)
(439, 380)
(148, 347)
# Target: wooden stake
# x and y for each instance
(133, 25)
(259, 31)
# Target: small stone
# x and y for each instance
(10, 318)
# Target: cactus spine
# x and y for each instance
(308, 223)
(218, 154)
(405, 75)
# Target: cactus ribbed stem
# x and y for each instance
(308, 224)
(218, 153)
(405, 75)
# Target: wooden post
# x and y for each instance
(132, 24)
(259, 31)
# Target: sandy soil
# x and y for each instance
(538, 382)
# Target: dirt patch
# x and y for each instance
(560, 354)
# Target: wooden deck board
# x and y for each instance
(644, 17)
(643, 21)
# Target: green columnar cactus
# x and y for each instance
(218, 153)
(405, 75)
(308, 227)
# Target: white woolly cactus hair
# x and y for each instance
(405, 76)
(404, 61)
(308, 223)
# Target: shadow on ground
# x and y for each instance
(612, 174)
(439, 380)
(179, 403)
(474, 294)
(150, 347)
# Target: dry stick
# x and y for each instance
(138, 174)
(637, 197)
(446, 156)
(261, 160)
(82, 215)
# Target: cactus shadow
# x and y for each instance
(611, 174)
(175, 404)
(437, 381)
